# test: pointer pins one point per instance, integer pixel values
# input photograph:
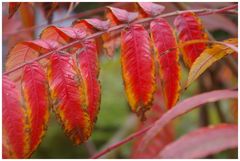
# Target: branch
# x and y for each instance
(118, 27)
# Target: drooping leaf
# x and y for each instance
(137, 68)
(119, 16)
(184, 107)
(189, 27)
(202, 142)
(89, 68)
(62, 34)
(208, 57)
(149, 9)
(35, 92)
(12, 8)
(13, 121)
(68, 98)
(26, 51)
(169, 69)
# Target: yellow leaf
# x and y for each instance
(208, 57)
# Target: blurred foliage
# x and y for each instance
(114, 110)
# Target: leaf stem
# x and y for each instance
(118, 27)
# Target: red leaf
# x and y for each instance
(189, 27)
(184, 107)
(137, 68)
(26, 51)
(89, 69)
(12, 121)
(35, 91)
(62, 34)
(148, 9)
(118, 16)
(12, 9)
(68, 98)
(165, 41)
(92, 24)
(203, 142)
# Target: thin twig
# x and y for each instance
(116, 145)
(118, 27)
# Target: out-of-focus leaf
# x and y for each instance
(48, 9)
(149, 9)
(118, 16)
(137, 68)
(208, 57)
(12, 9)
(159, 141)
(62, 34)
(189, 27)
(27, 16)
(25, 51)
(35, 92)
(184, 107)
(13, 122)
(69, 98)
(88, 66)
(203, 142)
(169, 69)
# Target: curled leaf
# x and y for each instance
(189, 27)
(92, 24)
(35, 92)
(208, 57)
(149, 9)
(68, 98)
(137, 68)
(13, 122)
(26, 51)
(88, 65)
(62, 34)
(119, 16)
(164, 41)
(209, 140)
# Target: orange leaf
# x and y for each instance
(165, 41)
(137, 68)
(118, 16)
(35, 92)
(208, 140)
(13, 121)
(12, 9)
(89, 68)
(26, 51)
(68, 98)
(149, 9)
(189, 27)
(208, 57)
(62, 35)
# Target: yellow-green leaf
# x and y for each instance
(208, 57)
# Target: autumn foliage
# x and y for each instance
(60, 71)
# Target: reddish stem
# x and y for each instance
(118, 27)
(116, 145)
